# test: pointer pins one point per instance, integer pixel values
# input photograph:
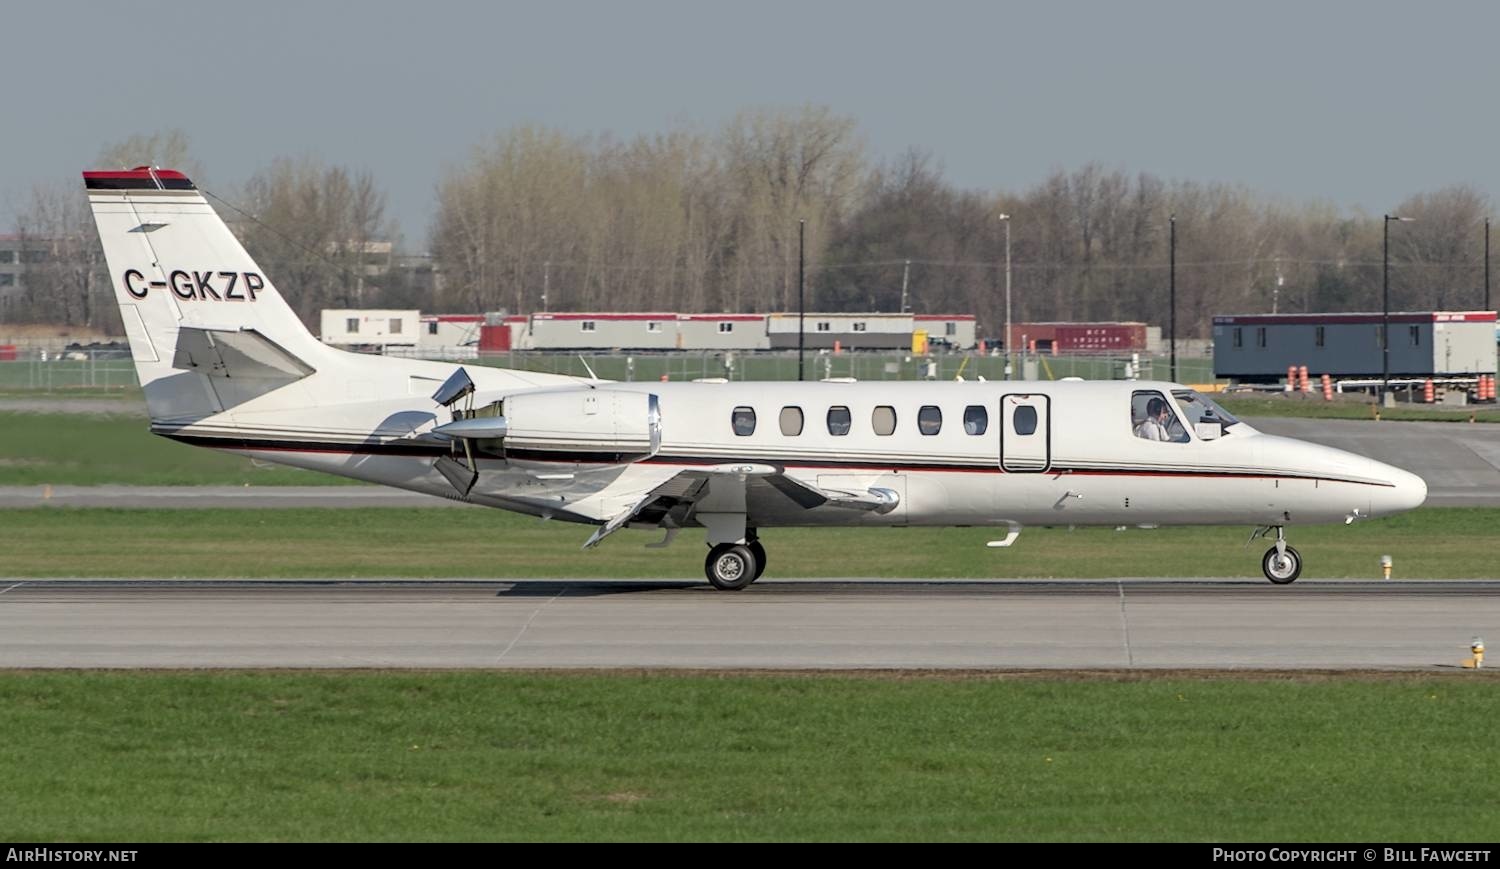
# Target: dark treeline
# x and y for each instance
(692, 220)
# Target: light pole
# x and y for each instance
(1385, 317)
(1005, 218)
(1172, 294)
(801, 298)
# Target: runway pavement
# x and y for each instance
(1125, 624)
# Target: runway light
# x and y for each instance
(1385, 566)
(1477, 647)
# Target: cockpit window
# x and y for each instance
(1203, 414)
(1152, 419)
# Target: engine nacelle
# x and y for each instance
(604, 426)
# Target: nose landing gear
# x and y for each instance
(1281, 564)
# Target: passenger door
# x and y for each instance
(1025, 433)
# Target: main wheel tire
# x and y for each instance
(730, 567)
(760, 557)
(1282, 569)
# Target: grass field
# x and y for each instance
(412, 542)
(94, 449)
(497, 756)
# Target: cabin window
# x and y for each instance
(1239, 337)
(1152, 418)
(950, 328)
(1415, 334)
(823, 326)
(725, 327)
(587, 325)
(1317, 336)
(432, 328)
(791, 421)
(930, 419)
(859, 327)
(743, 420)
(351, 325)
(653, 326)
(839, 420)
(1380, 336)
(1024, 420)
(1260, 337)
(976, 419)
(883, 420)
(395, 326)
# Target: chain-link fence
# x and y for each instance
(80, 371)
(695, 365)
(68, 371)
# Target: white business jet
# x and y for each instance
(226, 364)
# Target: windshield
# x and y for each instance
(1200, 408)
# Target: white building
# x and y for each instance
(450, 336)
(603, 331)
(367, 329)
(722, 332)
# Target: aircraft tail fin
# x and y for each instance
(194, 304)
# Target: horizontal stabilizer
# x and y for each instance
(236, 353)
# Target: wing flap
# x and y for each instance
(688, 486)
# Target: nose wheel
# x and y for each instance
(1281, 564)
(1282, 567)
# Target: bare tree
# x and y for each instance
(320, 231)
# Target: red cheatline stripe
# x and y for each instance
(163, 174)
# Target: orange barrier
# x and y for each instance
(1291, 378)
(1429, 393)
(1327, 388)
(1306, 384)
(664, 378)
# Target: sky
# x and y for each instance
(1359, 104)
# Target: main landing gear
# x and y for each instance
(732, 566)
(1281, 564)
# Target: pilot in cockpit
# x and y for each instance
(1154, 427)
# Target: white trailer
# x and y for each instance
(376, 329)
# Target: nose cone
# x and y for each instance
(1406, 491)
